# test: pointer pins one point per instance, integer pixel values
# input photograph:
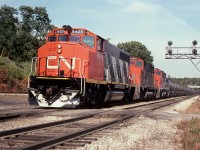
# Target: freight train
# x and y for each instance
(78, 67)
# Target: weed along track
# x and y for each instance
(76, 132)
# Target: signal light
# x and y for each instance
(169, 52)
(170, 43)
(194, 43)
(194, 51)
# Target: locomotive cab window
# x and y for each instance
(132, 63)
(62, 38)
(51, 38)
(158, 73)
(73, 38)
(100, 45)
(139, 64)
(89, 41)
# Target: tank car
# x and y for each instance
(77, 67)
(178, 90)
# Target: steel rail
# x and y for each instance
(17, 131)
(70, 137)
(73, 136)
(174, 98)
(24, 113)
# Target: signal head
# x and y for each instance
(194, 43)
(194, 51)
(170, 43)
(169, 52)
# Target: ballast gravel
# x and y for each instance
(143, 134)
(30, 121)
(146, 133)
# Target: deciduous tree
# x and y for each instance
(137, 49)
(8, 29)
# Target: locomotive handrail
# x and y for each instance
(32, 61)
(84, 76)
(80, 75)
(79, 64)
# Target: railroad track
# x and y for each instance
(73, 133)
(17, 113)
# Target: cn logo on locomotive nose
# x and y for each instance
(61, 58)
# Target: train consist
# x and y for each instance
(77, 67)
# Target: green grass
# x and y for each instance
(13, 76)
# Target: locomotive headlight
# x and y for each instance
(59, 51)
(59, 46)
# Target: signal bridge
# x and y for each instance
(181, 53)
(190, 53)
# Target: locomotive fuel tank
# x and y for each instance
(114, 96)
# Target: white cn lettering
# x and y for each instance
(64, 61)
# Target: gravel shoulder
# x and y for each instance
(155, 131)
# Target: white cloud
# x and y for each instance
(141, 7)
(157, 14)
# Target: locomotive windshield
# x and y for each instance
(75, 38)
(88, 40)
(62, 38)
(158, 73)
(138, 63)
(51, 38)
(71, 38)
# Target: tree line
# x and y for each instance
(22, 31)
(186, 81)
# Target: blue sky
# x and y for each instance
(151, 22)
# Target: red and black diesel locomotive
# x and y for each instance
(77, 67)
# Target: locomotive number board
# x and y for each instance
(74, 31)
